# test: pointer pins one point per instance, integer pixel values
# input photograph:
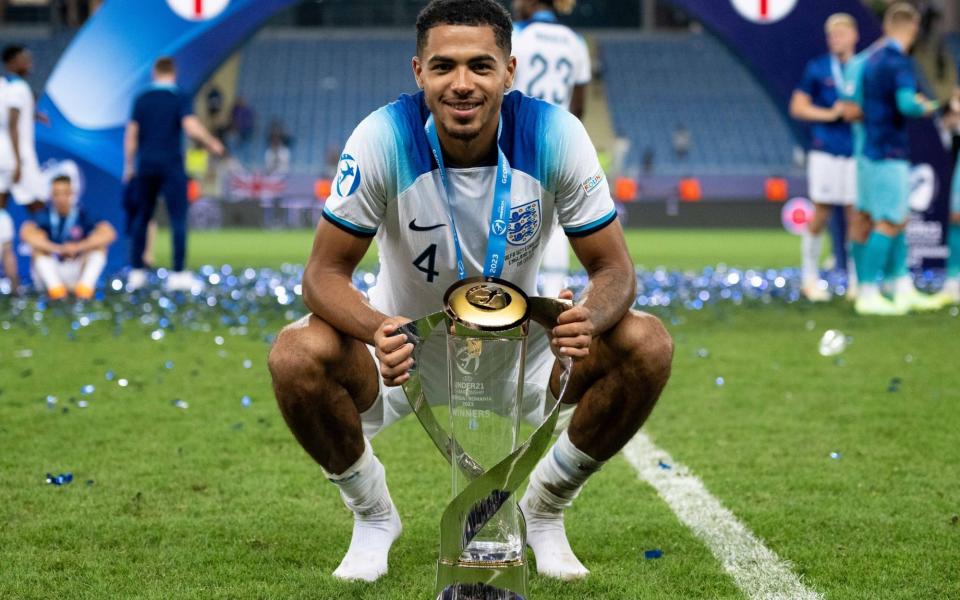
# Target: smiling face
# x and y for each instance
(464, 74)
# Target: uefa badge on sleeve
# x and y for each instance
(348, 176)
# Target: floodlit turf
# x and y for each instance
(218, 501)
(675, 249)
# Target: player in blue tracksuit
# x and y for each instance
(889, 97)
(831, 168)
(153, 151)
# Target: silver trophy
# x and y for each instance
(485, 323)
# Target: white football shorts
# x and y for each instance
(831, 179)
(32, 186)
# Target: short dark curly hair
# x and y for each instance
(12, 51)
(465, 12)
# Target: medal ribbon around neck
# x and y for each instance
(60, 233)
(839, 78)
(499, 216)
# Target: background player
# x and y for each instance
(27, 183)
(831, 169)
(8, 258)
(69, 247)
(153, 150)
(889, 97)
(950, 294)
(324, 377)
(553, 64)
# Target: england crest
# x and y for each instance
(524, 223)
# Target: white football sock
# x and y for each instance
(868, 291)
(93, 265)
(554, 484)
(811, 246)
(952, 286)
(376, 523)
(904, 285)
(48, 270)
(851, 274)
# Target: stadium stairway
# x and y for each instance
(319, 85)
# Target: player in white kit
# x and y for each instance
(553, 64)
(8, 259)
(7, 256)
(27, 184)
(462, 180)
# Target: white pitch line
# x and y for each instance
(758, 571)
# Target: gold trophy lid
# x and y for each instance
(486, 304)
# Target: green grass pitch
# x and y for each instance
(218, 501)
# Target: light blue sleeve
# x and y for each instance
(907, 103)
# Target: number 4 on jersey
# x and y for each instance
(429, 256)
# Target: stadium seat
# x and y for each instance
(655, 83)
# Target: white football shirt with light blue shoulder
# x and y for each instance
(551, 59)
(389, 186)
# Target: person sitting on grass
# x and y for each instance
(69, 247)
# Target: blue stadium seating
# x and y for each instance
(319, 88)
(655, 83)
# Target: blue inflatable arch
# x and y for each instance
(89, 94)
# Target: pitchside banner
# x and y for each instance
(776, 38)
(89, 95)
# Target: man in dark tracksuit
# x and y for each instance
(153, 152)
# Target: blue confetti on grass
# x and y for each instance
(58, 480)
(652, 554)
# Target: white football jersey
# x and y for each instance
(17, 94)
(389, 186)
(551, 59)
(6, 148)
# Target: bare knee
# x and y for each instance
(859, 227)
(312, 360)
(644, 345)
(302, 352)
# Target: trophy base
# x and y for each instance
(490, 581)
